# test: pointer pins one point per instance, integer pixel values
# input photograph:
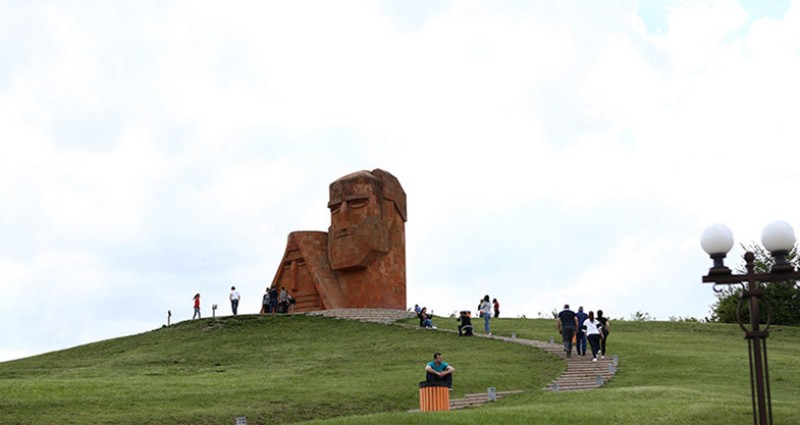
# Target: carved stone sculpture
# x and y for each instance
(361, 261)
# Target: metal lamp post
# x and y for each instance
(779, 239)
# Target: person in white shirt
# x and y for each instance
(591, 328)
(234, 300)
(486, 307)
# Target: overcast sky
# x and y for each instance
(552, 152)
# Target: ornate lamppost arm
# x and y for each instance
(779, 239)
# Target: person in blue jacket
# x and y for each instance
(580, 336)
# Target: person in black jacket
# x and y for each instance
(604, 322)
(424, 319)
(465, 325)
(567, 323)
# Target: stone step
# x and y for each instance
(307, 303)
(592, 380)
(477, 399)
(574, 376)
(600, 368)
(557, 387)
(375, 315)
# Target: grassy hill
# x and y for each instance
(272, 370)
(295, 368)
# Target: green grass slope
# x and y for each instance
(278, 369)
(293, 369)
(670, 373)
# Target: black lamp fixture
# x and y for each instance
(779, 239)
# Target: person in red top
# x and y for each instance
(196, 314)
(496, 308)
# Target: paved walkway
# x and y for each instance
(581, 373)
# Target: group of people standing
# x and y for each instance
(273, 302)
(583, 327)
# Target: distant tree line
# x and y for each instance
(783, 297)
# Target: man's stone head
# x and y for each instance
(362, 206)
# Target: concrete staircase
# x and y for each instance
(584, 374)
(581, 374)
(374, 315)
(470, 400)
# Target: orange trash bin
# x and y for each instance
(434, 397)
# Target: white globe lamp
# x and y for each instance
(779, 239)
(778, 236)
(717, 241)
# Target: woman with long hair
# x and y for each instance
(425, 320)
(591, 328)
(486, 307)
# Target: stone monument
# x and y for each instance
(361, 261)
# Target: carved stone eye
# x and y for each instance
(358, 203)
(335, 208)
